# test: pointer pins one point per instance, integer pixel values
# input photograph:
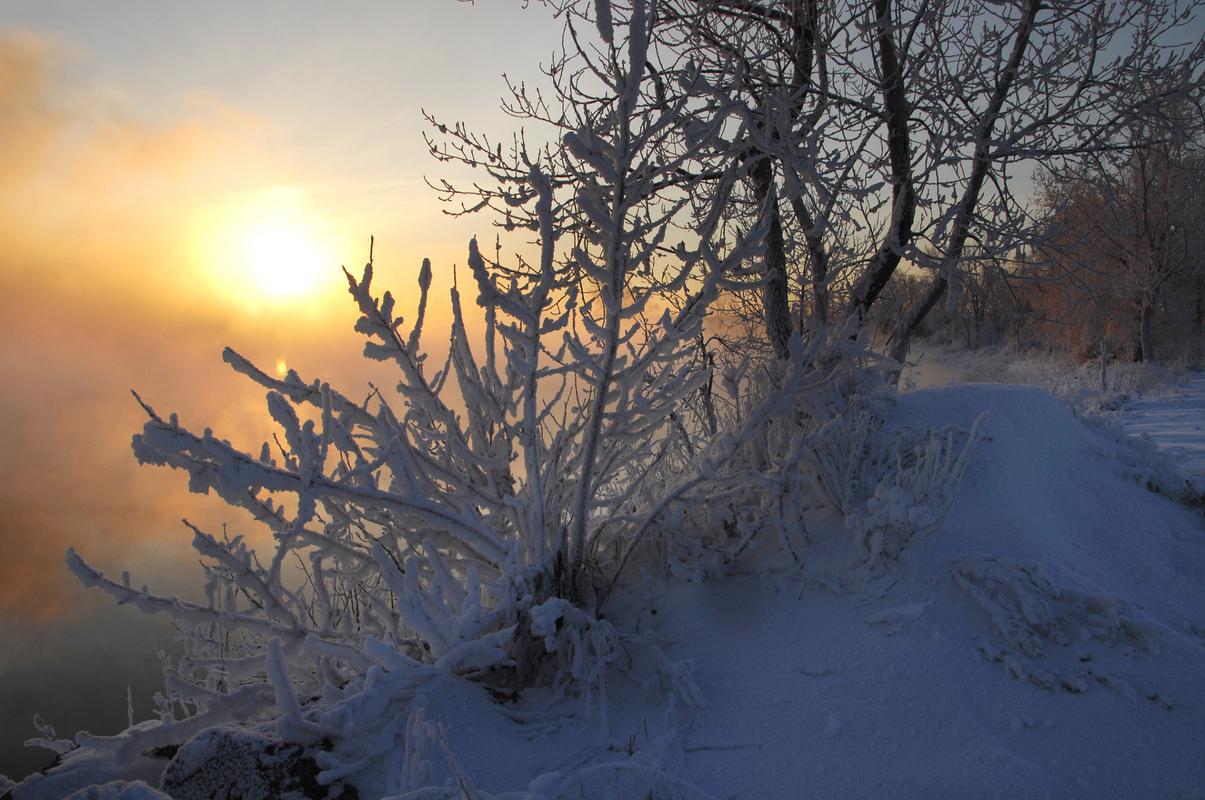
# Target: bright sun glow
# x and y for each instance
(283, 261)
(270, 249)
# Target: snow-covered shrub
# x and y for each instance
(49, 740)
(472, 526)
(751, 481)
(766, 487)
(845, 460)
(889, 485)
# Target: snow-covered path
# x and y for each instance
(928, 688)
(1174, 419)
(1171, 414)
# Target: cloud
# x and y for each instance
(30, 118)
(106, 283)
(101, 290)
(78, 166)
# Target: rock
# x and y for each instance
(244, 764)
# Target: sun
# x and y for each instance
(270, 249)
(283, 261)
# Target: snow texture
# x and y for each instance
(1045, 640)
(119, 790)
(1174, 420)
(83, 768)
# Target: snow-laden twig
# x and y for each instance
(470, 525)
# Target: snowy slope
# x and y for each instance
(827, 705)
(1047, 641)
(879, 690)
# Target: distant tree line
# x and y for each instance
(1120, 272)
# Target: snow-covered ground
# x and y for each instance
(1166, 405)
(1174, 419)
(1047, 641)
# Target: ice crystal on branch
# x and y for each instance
(472, 524)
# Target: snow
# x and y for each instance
(561, 570)
(1174, 419)
(119, 790)
(243, 763)
(1047, 639)
(1160, 404)
(84, 769)
(907, 683)
(814, 696)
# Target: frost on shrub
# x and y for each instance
(245, 763)
(889, 485)
(471, 525)
(49, 740)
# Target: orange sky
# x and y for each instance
(146, 224)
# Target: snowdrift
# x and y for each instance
(1047, 641)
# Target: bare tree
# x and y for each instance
(1076, 77)
(898, 131)
(1128, 227)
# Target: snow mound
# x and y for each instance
(1048, 640)
(1046, 489)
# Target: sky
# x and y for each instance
(176, 177)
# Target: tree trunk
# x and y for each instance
(980, 163)
(1136, 335)
(899, 151)
(819, 258)
(1198, 308)
(1144, 328)
(902, 336)
(774, 295)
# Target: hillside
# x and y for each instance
(1047, 641)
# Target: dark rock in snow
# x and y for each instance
(242, 764)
